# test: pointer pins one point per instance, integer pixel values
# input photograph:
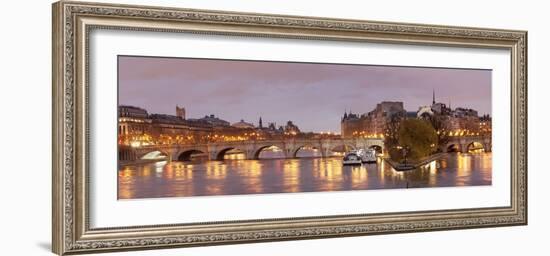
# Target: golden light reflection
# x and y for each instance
(443, 163)
(255, 169)
(214, 189)
(125, 193)
(398, 174)
(335, 153)
(168, 179)
(291, 179)
(169, 172)
(216, 170)
(358, 175)
(382, 169)
(126, 183)
(464, 162)
(235, 156)
(179, 171)
(184, 174)
(432, 167)
(126, 172)
(331, 174)
(487, 161)
(146, 171)
(252, 176)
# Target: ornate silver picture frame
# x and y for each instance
(74, 21)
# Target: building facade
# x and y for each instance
(457, 122)
(371, 124)
(291, 128)
(136, 127)
(180, 112)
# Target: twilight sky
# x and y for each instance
(313, 96)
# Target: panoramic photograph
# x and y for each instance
(211, 127)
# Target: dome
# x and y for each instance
(243, 124)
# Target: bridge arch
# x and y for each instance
(452, 147)
(345, 146)
(297, 149)
(258, 151)
(186, 155)
(156, 154)
(220, 155)
(475, 146)
(337, 149)
(376, 148)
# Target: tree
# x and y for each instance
(417, 137)
(441, 125)
(391, 136)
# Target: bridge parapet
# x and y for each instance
(252, 148)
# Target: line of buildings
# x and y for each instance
(458, 122)
(137, 127)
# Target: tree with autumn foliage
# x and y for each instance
(440, 123)
(417, 138)
(391, 136)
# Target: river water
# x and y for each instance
(236, 176)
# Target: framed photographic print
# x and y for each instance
(178, 127)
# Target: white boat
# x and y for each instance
(369, 156)
(352, 158)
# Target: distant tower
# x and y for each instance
(260, 123)
(180, 112)
(433, 96)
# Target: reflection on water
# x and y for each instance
(235, 176)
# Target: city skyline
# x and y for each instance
(309, 94)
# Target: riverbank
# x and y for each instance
(413, 165)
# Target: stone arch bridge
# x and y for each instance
(251, 149)
(464, 144)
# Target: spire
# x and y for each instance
(433, 96)
(260, 123)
